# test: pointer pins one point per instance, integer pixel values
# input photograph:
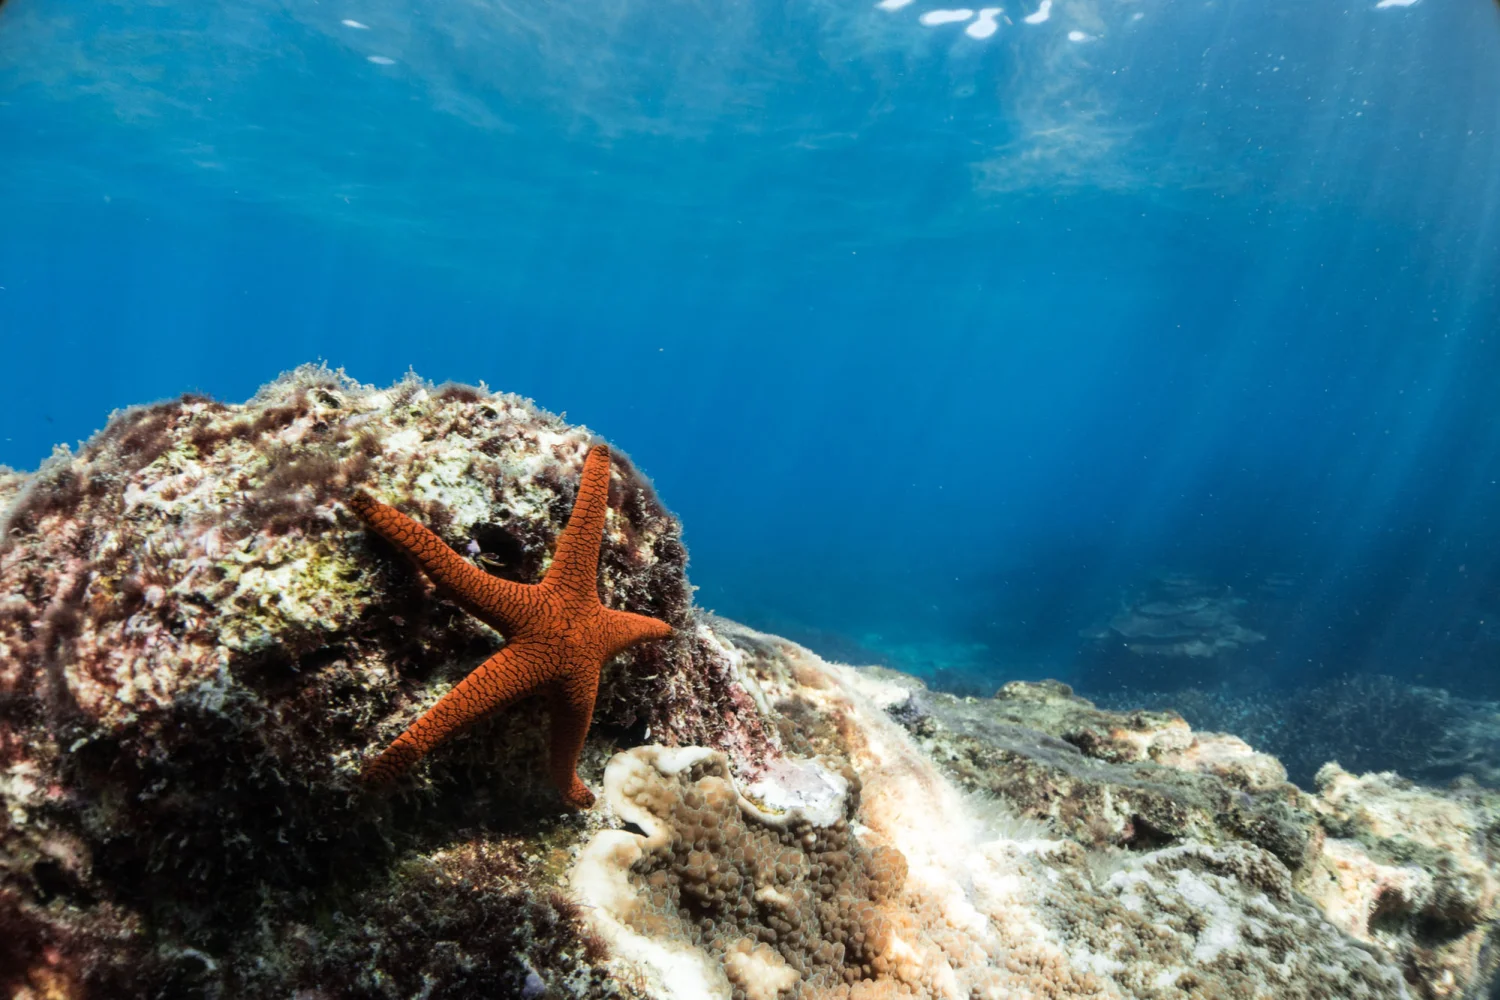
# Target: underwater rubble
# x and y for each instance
(199, 645)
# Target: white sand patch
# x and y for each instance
(935, 17)
(1042, 13)
(381, 60)
(1080, 36)
(892, 4)
(346, 22)
(986, 25)
(1394, 3)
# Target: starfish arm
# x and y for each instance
(498, 682)
(621, 630)
(575, 564)
(572, 706)
(503, 602)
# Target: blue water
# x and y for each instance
(938, 345)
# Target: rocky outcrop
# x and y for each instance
(1367, 722)
(1410, 871)
(987, 904)
(199, 645)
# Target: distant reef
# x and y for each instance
(1173, 632)
(199, 645)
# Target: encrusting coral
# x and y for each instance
(200, 643)
(560, 635)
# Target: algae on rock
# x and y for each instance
(198, 645)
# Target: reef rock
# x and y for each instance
(925, 891)
(199, 645)
(1412, 870)
(11, 482)
(1171, 631)
(1409, 871)
(1367, 722)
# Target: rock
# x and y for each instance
(714, 878)
(1413, 869)
(1368, 722)
(198, 645)
(1407, 869)
(982, 909)
(11, 482)
(1112, 780)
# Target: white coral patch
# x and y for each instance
(790, 791)
(758, 970)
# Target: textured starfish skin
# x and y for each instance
(558, 633)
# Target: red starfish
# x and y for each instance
(558, 633)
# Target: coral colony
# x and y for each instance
(209, 627)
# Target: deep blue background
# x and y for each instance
(936, 345)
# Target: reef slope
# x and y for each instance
(199, 645)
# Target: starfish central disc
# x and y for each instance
(558, 633)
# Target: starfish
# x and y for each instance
(558, 633)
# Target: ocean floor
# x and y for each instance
(200, 645)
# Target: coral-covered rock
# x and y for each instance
(1414, 870)
(723, 893)
(1367, 722)
(199, 644)
(1408, 869)
(1136, 780)
(987, 907)
(11, 482)
(1227, 922)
